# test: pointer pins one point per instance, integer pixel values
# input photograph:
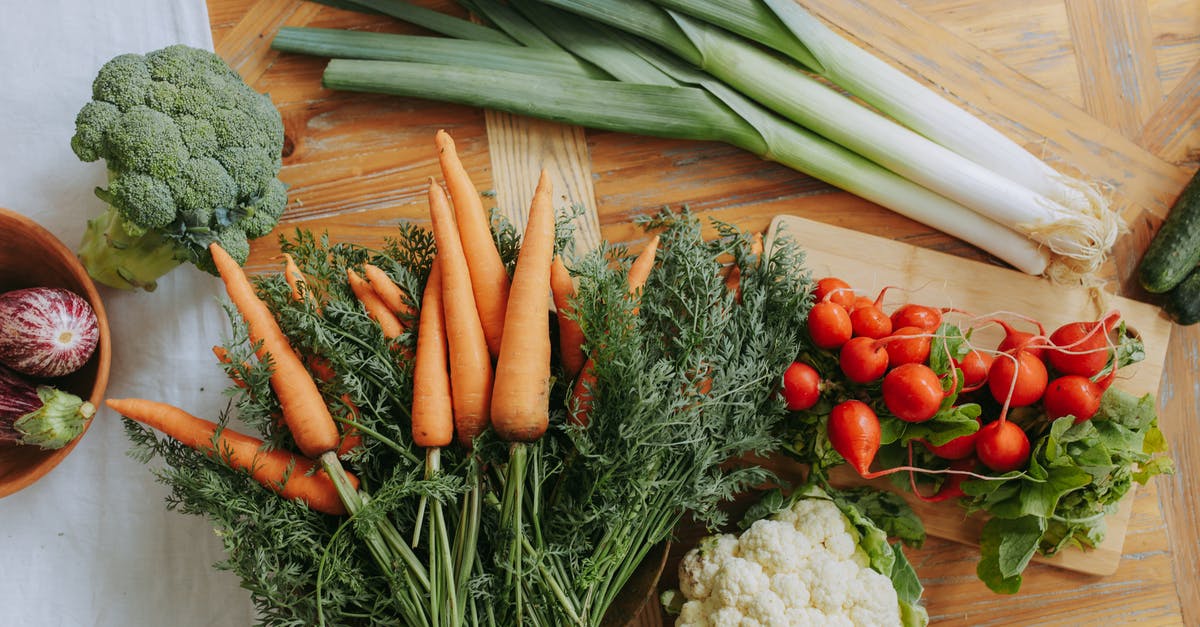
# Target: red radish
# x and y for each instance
(1075, 395)
(862, 301)
(1014, 339)
(974, 365)
(863, 360)
(961, 447)
(1022, 375)
(1081, 347)
(906, 350)
(832, 289)
(801, 386)
(46, 331)
(920, 316)
(829, 325)
(854, 432)
(39, 414)
(1002, 446)
(913, 392)
(870, 322)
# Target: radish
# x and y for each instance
(870, 322)
(974, 366)
(1081, 347)
(863, 360)
(1002, 446)
(833, 289)
(920, 316)
(801, 386)
(1075, 395)
(912, 392)
(854, 432)
(829, 325)
(1018, 379)
(961, 447)
(1014, 339)
(39, 415)
(908, 350)
(46, 331)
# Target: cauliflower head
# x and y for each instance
(803, 566)
(193, 155)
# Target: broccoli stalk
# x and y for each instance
(115, 258)
(193, 156)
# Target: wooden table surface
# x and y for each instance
(1106, 89)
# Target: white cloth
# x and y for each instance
(91, 543)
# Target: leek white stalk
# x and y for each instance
(1083, 237)
(1079, 238)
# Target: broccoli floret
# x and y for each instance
(144, 201)
(263, 216)
(145, 140)
(93, 122)
(124, 81)
(193, 155)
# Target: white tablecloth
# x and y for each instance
(92, 543)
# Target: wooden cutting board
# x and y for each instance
(869, 263)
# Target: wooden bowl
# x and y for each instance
(31, 256)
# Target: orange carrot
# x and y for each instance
(582, 395)
(294, 278)
(570, 336)
(240, 451)
(375, 306)
(489, 279)
(388, 291)
(470, 362)
(432, 413)
(639, 272)
(733, 280)
(223, 357)
(521, 394)
(303, 408)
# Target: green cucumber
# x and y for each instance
(1175, 250)
(1182, 303)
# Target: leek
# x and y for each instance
(787, 27)
(1079, 239)
(701, 82)
(684, 113)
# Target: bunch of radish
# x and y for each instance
(884, 368)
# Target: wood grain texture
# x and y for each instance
(521, 148)
(356, 164)
(1116, 61)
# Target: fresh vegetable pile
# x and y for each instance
(45, 334)
(1029, 431)
(448, 450)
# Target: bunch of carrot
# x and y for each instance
(482, 361)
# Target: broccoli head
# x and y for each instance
(193, 156)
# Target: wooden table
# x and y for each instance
(1106, 88)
